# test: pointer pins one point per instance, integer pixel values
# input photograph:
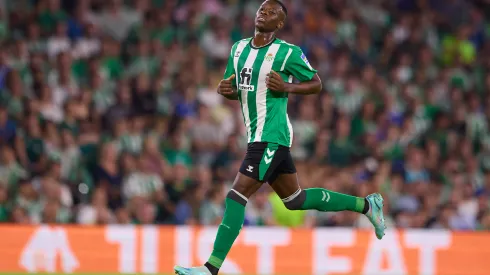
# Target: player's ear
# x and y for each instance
(280, 25)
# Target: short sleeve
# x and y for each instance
(298, 66)
(230, 68)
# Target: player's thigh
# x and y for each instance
(248, 180)
(284, 180)
(261, 161)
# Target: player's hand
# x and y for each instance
(274, 82)
(225, 86)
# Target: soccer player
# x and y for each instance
(259, 74)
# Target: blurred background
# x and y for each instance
(109, 112)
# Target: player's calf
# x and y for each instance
(228, 229)
(328, 201)
(324, 200)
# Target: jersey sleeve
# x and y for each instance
(298, 66)
(230, 68)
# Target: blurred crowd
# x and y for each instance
(109, 111)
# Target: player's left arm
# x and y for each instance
(274, 82)
(298, 66)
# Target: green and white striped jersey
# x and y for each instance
(264, 111)
(139, 184)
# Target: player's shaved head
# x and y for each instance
(283, 7)
(283, 10)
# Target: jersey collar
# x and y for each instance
(266, 45)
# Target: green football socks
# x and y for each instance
(228, 230)
(234, 216)
(325, 200)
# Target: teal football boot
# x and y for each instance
(375, 214)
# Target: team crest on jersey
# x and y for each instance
(303, 56)
(237, 53)
(269, 57)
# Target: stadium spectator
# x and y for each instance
(109, 111)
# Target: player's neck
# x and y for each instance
(263, 38)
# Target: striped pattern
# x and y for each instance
(141, 185)
(349, 103)
(264, 111)
(261, 100)
(104, 97)
(131, 143)
(477, 126)
(286, 59)
(12, 173)
(236, 54)
(252, 54)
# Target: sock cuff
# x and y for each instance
(296, 200)
(367, 205)
(237, 196)
(361, 205)
(215, 262)
(293, 196)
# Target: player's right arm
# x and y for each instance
(227, 86)
(227, 89)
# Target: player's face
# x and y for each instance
(269, 17)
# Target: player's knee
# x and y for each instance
(295, 201)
